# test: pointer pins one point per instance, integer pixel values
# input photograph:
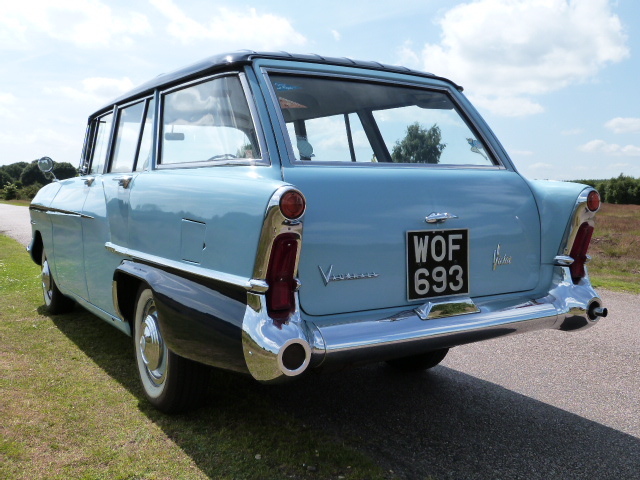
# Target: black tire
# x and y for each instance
(171, 383)
(54, 301)
(416, 363)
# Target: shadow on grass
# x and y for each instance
(442, 423)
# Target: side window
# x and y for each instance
(127, 135)
(144, 154)
(210, 121)
(101, 145)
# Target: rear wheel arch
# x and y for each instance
(36, 248)
(126, 290)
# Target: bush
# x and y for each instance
(10, 192)
(621, 190)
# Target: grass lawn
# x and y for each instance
(71, 407)
(615, 248)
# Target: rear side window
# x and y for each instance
(128, 131)
(132, 149)
(101, 145)
(340, 120)
(209, 121)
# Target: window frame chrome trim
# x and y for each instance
(264, 160)
(470, 122)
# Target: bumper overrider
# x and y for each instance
(275, 352)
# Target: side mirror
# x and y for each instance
(45, 164)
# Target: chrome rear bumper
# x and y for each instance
(270, 356)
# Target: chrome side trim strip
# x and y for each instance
(58, 211)
(248, 284)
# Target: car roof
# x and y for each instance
(243, 57)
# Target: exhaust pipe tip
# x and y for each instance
(596, 311)
(294, 357)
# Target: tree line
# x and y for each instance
(622, 189)
(22, 180)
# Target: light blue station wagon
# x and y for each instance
(274, 214)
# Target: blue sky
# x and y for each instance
(557, 80)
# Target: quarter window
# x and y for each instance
(102, 144)
(210, 121)
(144, 154)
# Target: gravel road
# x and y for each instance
(14, 222)
(547, 405)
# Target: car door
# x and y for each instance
(407, 201)
(109, 200)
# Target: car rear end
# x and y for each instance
(412, 230)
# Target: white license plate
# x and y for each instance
(437, 263)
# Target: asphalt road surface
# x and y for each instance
(545, 405)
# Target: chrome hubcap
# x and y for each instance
(46, 279)
(152, 349)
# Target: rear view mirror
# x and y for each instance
(172, 137)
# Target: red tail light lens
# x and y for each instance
(292, 204)
(593, 201)
(579, 251)
(280, 277)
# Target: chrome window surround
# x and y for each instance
(263, 161)
(581, 214)
(313, 73)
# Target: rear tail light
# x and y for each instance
(280, 277)
(579, 251)
(292, 204)
(593, 201)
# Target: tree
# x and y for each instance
(4, 179)
(64, 170)
(32, 174)
(15, 169)
(419, 145)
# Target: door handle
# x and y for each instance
(123, 181)
(439, 217)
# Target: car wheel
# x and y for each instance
(171, 383)
(54, 301)
(416, 363)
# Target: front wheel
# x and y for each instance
(416, 363)
(171, 383)
(54, 301)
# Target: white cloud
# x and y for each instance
(506, 51)
(95, 91)
(84, 23)
(624, 125)
(610, 149)
(508, 106)
(336, 35)
(234, 27)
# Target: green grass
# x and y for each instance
(21, 203)
(615, 248)
(71, 407)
